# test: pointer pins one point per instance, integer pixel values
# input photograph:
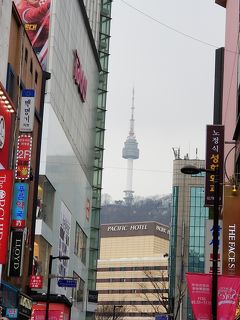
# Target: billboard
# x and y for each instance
(35, 16)
(6, 182)
(214, 159)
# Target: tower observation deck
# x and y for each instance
(130, 152)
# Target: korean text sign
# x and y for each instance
(27, 110)
(214, 159)
(19, 205)
(23, 161)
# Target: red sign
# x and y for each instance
(36, 282)
(6, 182)
(5, 130)
(200, 292)
(80, 78)
(23, 161)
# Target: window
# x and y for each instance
(36, 77)
(45, 201)
(78, 292)
(26, 55)
(80, 243)
(31, 66)
(11, 83)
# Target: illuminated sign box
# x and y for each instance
(23, 161)
(19, 205)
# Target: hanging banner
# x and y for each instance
(27, 110)
(214, 159)
(23, 159)
(200, 292)
(19, 205)
(228, 291)
(6, 182)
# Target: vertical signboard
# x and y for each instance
(16, 254)
(27, 110)
(214, 159)
(19, 205)
(6, 181)
(231, 232)
(23, 159)
(209, 246)
(35, 16)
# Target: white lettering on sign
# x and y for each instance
(232, 247)
(25, 302)
(117, 228)
(138, 227)
(2, 205)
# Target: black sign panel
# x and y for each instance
(93, 296)
(16, 254)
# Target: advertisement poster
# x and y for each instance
(35, 16)
(64, 244)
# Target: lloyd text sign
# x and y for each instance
(16, 254)
(71, 283)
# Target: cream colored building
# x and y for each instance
(133, 268)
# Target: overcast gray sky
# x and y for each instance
(173, 76)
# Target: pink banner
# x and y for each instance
(200, 292)
(228, 291)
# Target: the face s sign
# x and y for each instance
(2, 131)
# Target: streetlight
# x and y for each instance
(51, 258)
(114, 311)
(194, 170)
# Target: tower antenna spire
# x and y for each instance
(130, 152)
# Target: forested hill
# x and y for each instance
(148, 209)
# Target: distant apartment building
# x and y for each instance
(188, 234)
(133, 269)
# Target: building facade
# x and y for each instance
(132, 278)
(187, 244)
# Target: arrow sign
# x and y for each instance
(70, 283)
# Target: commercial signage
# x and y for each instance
(231, 232)
(135, 229)
(214, 159)
(36, 282)
(200, 292)
(209, 245)
(23, 159)
(70, 283)
(27, 110)
(79, 77)
(162, 317)
(6, 181)
(36, 21)
(5, 133)
(25, 305)
(93, 296)
(12, 313)
(16, 254)
(19, 205)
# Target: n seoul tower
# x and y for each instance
(130, 152)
